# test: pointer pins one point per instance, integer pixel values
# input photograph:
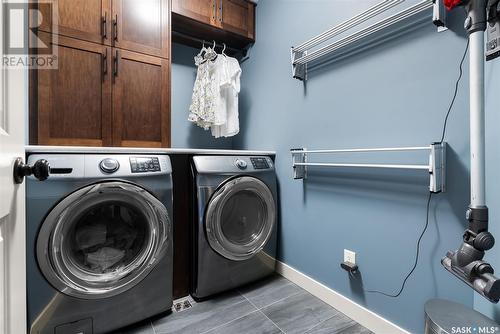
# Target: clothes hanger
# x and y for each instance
(214, 53)
(203, 49)
(199, 58)
(224, 49)
(211, 54)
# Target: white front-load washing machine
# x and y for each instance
(235, 222)
(99, 242)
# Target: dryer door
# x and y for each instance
(240, 218)
(102, 240)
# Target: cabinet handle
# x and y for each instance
(115, 28)
(115, 63)
(104, 60)
(214, 10)
(104, 27)
(221, 11)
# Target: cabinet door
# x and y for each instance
(89, 20)
(142, 26)
(141, 100)
(74, 101)
(199, 10)
(237, 16)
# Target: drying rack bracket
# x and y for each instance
(299, 71)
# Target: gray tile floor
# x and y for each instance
(274, 305)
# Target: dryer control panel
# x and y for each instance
(233, 164)
(259, 162)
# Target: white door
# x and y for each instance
(13, 104)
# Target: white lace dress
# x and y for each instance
(202, 108)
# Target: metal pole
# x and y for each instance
(362, 150)
(320, 164)
(477, 137)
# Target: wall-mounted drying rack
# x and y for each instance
(436, 166)
(301, 56)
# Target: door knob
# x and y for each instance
(40, 170)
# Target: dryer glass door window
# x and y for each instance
(102, 240)
(240, 218)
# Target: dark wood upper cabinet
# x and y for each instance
(141, 100)
(112, 84)
(200, 10)
(74, 101)
(142, 26)
(88, 20)
(237, 16)
(229, 21)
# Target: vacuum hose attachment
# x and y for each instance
(467, 262)
(478, 275)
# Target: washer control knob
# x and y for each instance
(241, 164)
(109, 165)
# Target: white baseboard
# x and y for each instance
(358, 313)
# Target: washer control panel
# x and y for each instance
(144, 164)
(259, 163)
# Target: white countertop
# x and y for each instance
(132, 150)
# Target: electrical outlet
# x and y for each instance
(349, 256)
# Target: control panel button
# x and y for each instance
(144, 164)
(109, 165)
(241, 164)
(260, 163)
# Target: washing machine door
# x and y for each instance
(102, 240)
(240, 218)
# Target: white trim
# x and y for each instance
(358, 313)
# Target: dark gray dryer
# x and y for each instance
(99, 242)
(235, 225)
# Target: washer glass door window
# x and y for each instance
(102, 239)
(240, 218)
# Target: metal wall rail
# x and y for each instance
(436, 165)
(301, 57)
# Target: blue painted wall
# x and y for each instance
(184, 133)
(394, 95)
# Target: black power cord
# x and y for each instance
(430, 193)
(416, 257)
(455, 93)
